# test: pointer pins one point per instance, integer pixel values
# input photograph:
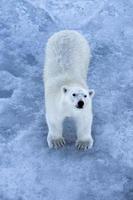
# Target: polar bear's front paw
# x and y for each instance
(56, 143)
(84, 145)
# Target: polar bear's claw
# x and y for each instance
(84, 145)
(57, 143)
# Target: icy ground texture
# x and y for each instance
(28, 169)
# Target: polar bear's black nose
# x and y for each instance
(80, 104)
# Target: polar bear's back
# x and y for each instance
(67, 54)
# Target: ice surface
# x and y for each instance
(28, 169)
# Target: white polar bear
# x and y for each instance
(66, 92)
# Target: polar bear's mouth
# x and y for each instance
(80, 104)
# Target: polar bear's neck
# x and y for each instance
(59, 81)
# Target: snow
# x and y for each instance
(28, 169)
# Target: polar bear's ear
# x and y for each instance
(64, 89)
(91, 93)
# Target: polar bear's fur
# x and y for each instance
(65, 73)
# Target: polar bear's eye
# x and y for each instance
(64, 90)
(74, 94)
(85, 96)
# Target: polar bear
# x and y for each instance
(67, 57)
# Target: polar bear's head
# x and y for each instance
(77, 97)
